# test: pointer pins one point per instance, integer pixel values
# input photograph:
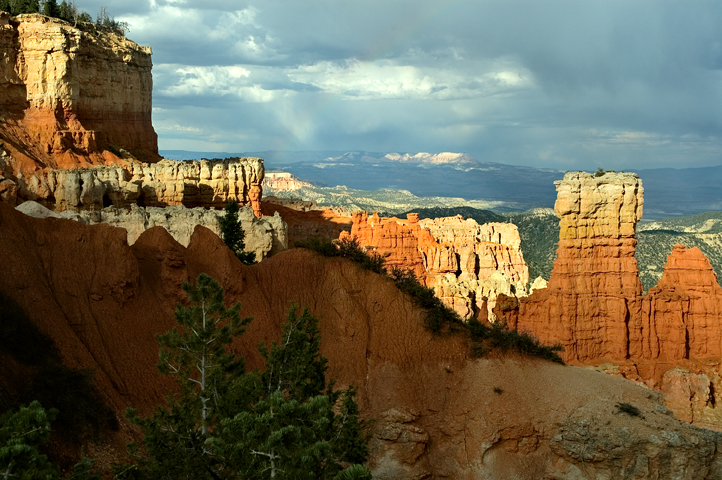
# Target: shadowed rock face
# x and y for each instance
(438, 413)
(72, 97)
(669, 339)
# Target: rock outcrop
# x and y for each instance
(191, 183)
(283, 182)
(682, 315)
(594, 288)
(466, 264)
(73, 96)
(438, 413)
(264, 236)
(669, 339)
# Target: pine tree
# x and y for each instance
(232, 233)
(51, 8)
(291, 430)
(175, 438)
(21, 433)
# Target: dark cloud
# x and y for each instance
(564, 84)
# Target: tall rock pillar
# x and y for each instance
(594, 290)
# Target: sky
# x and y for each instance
(570, 85)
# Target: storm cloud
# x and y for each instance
(559, 84)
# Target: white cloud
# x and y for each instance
(232, 80)
(384, 79)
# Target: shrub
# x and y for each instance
(439, 317)
(629, 409)
(346, 248)
(499, 337)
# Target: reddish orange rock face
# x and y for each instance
(466, 264)
(73, 98)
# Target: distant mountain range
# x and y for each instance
(668, 192)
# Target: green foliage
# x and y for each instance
(232, 233)
(347, 248)
(21, 433)
(291, 428)
(439, 317)
(499, 337)
(175, 437)
(225, 423)
(50, 9)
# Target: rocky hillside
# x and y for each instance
(438, 413)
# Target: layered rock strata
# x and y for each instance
(264, 236)
(669, 339)
(466, 264)
(594, 288)
(437, 413)
(73, 96)
(192, 183)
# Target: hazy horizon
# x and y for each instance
(556, 84)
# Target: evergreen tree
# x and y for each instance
(291, 429)
(232, 233)
(51, 8)
(21, 433)
(175, 442)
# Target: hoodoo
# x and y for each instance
(466, 264)
(670, 339)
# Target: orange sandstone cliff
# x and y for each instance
(466, 264)
(669, 339)
(73, 96)
(438, 413)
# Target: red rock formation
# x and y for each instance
(72, 97)
(397, 241)
(438, 413)
(682, 314)
(670, 339)
(594, 288)
(466, 264)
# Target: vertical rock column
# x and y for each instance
(594, 291)
(681, 314)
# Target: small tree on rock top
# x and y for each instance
(232, 233)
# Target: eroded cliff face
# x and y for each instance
(466, 264)
(264, 236)
(73, 96)
(191, 183)
(669, 339)
(438, 413)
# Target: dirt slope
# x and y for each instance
(437, 413)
